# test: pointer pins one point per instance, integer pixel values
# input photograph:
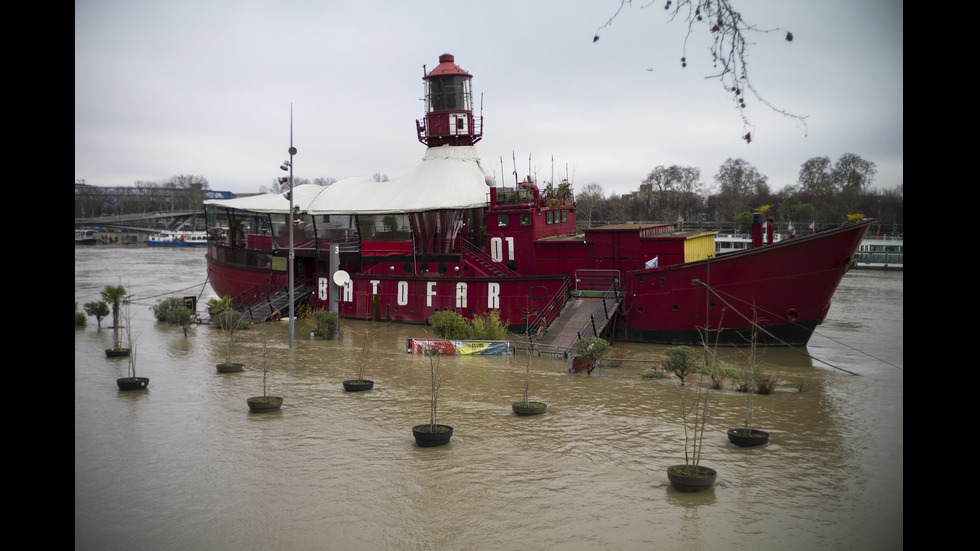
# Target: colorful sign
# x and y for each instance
(457, 348)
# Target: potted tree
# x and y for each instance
(173, 311)
(131, 381)
(228, 321)
(324, 323)
(527, 407)
(746, 436)
(694, 403)
(98, 309)
(588, 352)
(116, 296)
(432, 434)
(266, 402)
(360, 383)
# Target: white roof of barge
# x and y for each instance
(449, 177)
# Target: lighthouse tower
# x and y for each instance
(449, 116)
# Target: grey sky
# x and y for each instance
(204, 88)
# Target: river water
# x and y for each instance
(185, 466)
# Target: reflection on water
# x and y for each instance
(183, 465)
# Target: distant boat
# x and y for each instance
(164, 239)
(178, 239)
(191, 239)
(85, 237)
(881, 252)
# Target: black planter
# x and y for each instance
(428, 439)
(230, 367)
(133, 383)
(681, 480)
(529, 408)
(264, 404)
(747, 438)
(116, 352)
(357, 385)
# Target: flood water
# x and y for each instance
(185, 466)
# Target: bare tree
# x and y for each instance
(588, 202)
(739, 185)
(672, 186)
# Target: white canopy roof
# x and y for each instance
(449, 177)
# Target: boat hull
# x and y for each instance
(786, 288)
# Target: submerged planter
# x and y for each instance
(529, 408)
(357, 385)
(133, 383)
(263, 404)
(747, 438)
(116, 352)
(230, 367)
(428, 439)
(688, 478)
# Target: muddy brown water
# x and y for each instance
(184, 465)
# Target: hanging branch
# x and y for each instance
(729, 48)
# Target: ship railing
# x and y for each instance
(541, 349)
(486, 260)
(590, 282)
(550, 312)
(253, 303)
(879, 258)
(611, 297)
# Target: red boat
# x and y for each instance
(445, 237)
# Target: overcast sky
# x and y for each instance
(204, 87)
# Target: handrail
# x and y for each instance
(553, 306)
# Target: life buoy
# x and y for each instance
(275, 316)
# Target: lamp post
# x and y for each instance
(288, 165)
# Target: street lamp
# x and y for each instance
(288, 165)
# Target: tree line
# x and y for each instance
(825, 194)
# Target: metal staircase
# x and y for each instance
(275, 305)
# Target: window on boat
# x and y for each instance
(336, 227)
(526, 219)
(449, 93)
(564, 216)
(502, 221)
(549, 217)
(385, 227)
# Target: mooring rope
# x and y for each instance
(717, 294)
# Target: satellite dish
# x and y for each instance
(341, 278)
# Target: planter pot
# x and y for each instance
(748, 438)
(681, 480)
(263, 404)
(230, 367)
(133, 383)
(428, 439)
(116, 352)
(583, 364)
(529, 408)
(357, 385)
